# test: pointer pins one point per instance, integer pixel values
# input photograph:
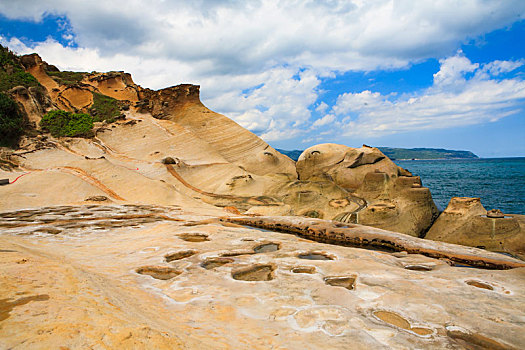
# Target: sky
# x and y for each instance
(396, 73)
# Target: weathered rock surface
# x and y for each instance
(210, 158)
(395, 200)
(465, 221)
(133, 239)
(98, 276)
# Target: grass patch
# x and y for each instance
(104, 108)
(62, 123)
(11, 122)
(67, 78)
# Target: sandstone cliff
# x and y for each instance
(213, 158)
(133, 238)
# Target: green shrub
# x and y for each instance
(67, 78)
(12, 73)
(16, 78)
(62, 123)
(104, 108)
(7, 57)
(11, 121)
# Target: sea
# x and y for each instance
(499, 182)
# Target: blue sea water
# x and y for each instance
(499, 182)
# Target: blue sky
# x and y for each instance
(400, 73)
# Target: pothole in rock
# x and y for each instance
(49, 230)
(416, 267)
(254, 273)
(396, 320)
(315, 256)
(212, 263)
(194, 237)
(238, 253)
(303, 269)
(479, 284)
(347, 282)
(179, 255)
(158, 272)
(266, 248)
(469, 340)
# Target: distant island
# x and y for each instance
(407, 153)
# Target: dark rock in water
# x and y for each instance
(495, 213)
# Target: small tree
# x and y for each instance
(11, 121)
(62, 123)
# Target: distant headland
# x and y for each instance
(407, 153)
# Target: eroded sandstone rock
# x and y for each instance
(114, 288)
(393, 198)
(465, 221)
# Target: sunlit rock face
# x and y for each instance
(133, 239)
(135, 276)
(215, 160)
(344, 165)
(394, 199)
(465, 221)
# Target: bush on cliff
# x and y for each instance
(12, 73)
(62, 123)
(11, 121)
(104, 108)
(66, 78)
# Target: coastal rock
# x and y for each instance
(80, 286)
(465, 221)
(495, 213)
(168, 261)
(394, 199)
(346, 166)
(209, 157)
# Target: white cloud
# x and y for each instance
(322, 107)
(501, 67)
(480, 98)
(260, 62)
(452, 71)
(327, 119)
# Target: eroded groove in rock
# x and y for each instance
(266, 248)
(396, 320)
(347, 282)
(7, 306)
(158, 272)
(479, 284)
(354, 235)
(259, 200)
(303, 269)
(417, 267)
(474, 340)
(179, 255)
(85, 176)
(193, 237)
(211, 263)
(315, 256)
(254, 273)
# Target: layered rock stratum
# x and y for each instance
(174, 227)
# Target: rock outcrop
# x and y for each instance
(215, 160)
(465, 221)
(394, 199)
(167, 277)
